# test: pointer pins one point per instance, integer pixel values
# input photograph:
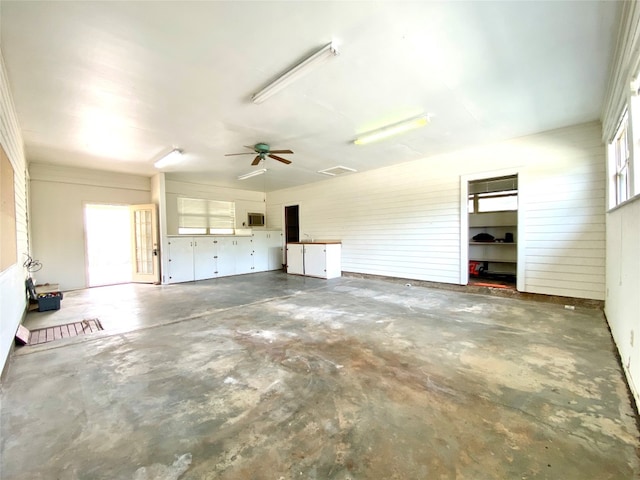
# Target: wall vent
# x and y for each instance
(339, 170)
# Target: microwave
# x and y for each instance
(255, 220)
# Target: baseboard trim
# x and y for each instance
(497, 292)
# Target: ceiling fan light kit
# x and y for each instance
(296, 72)
(170, 158)
(391, 130)
(255, 173)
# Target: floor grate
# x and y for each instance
(49, 334)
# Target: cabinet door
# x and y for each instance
(225, 256)
(180, 259)
(333, 256)
(204, 262)
(295, 258)
(315, 261)
(260, 251)
(243, 255)
(274, 250)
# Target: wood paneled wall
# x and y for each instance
(404, 220)
(12, 278)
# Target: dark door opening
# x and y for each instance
(292, 223)
(291, 227)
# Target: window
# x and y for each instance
(491, 202)
(619, 161)
(198, 216)
(493, 195)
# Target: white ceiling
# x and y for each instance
(114, 85)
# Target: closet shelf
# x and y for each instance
(492, 243)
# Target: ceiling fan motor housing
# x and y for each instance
(261, 148)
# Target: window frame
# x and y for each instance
(475, 198)
(202, 216)
(621, 160)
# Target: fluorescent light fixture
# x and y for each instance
(296, 72)
(255, 173)
(391, 130)
(170, 158)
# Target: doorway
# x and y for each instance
(291, 227)
(492, 207)
(292, 223)
(108, 244)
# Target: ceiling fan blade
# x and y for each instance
(280, 159)
(250, 148)
(232, 154)
(256, 160)
(280, 151)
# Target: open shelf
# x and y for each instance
(499, 257)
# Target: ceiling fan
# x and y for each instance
(263, 150)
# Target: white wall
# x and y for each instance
(622, 305)
(58, 196)
(12, 289)
(404, 220)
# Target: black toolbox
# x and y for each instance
(49, 301)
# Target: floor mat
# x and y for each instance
(49, 334)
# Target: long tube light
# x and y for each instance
(255, 173)
(391, 130)
(296, 72)
(169, 159)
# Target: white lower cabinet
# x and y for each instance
(202, 257)
(314, 259)
(295, 258)
(267, 250)
(243, 255)
(180, 264)
(275, 257)
(225, 257)
(260, 251)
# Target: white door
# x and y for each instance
(144, 243)
(244, 255)
(225, 256)
(274, 250)
(333, 261)
(315, 261)
(180, 259)
(260, 251)
(204, 258)
(295, 258)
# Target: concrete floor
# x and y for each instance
(269, 376)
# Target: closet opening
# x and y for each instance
(493, 231)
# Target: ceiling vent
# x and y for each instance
(339, 170)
